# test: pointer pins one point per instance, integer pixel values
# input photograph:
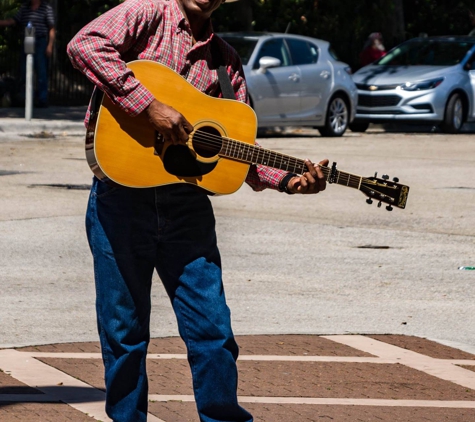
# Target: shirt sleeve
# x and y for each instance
(98, 48)
(49, 17)
(261, 177)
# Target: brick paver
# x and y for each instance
(283, 378)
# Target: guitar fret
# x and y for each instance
(253, 154)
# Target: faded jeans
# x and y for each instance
(171, 229)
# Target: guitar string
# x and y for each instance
(209, 139)
(292, 161)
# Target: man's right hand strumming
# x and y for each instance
(171, 124)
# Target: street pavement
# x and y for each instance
(324, 265)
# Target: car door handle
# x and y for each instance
(325, 74)
(294, 77)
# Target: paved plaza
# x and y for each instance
(282, 378)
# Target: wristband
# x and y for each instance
(283, 184)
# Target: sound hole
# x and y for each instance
(207, 141)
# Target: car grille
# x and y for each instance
(378, 100)
(365, 87)
(392, 112)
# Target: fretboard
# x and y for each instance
(252, 154)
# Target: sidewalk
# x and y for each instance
(51, 121)
(283, 378)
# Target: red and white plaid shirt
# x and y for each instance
(156, 30)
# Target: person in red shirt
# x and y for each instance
(373, 49)
(170, 229)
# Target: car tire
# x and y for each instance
(358, 126)
(454, 114)
(336, 121)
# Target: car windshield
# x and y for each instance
(244, 47)
(427, 53)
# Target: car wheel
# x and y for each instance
(454, 114)
(358, 126)
(336, 121)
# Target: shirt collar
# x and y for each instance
(181, 24)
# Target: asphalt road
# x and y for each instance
(325, 264)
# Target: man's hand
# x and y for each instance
(312, 181)
(169, 122)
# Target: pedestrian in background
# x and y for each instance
(373, 49)
(40, 14)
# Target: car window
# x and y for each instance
(274, 47)
(302, 52)
(243, 46)
(428, 53)
(333, 53)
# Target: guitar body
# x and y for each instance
(128, 151)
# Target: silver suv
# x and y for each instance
(296, 81)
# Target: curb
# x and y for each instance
(13, 126)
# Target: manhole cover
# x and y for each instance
(61, 186)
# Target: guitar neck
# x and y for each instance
(252, 154)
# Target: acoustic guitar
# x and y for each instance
(128, 151)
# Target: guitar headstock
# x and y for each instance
(385, 191)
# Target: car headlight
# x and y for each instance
(422, 86)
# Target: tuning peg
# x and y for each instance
(369, 201)
(375, 174)
(396, 179)
(385, 177)
(379, 204)
(389, 208)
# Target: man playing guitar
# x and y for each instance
(171, 228)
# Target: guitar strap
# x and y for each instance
(223, 77)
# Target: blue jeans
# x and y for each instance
(171, 229)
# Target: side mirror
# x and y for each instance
(267, 62)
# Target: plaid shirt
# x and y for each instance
(156, 30)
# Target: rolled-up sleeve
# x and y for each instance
(98, 49)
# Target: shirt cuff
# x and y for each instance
(136, 101)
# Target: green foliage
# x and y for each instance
(442, 17)
(72, 16)
(9, 37)
(345, 23)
